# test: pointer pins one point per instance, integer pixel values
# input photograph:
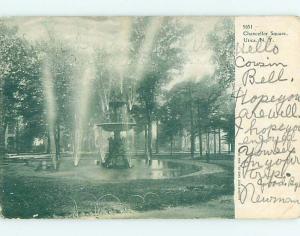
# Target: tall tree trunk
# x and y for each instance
(199, 130)
(52, 144)
(135, 146)
(76, 147)
(57, 141)
(2, 140)
(171, 146)
(192, 127)
(149, 139)
(182, 142)
(192, 144)
(232, 147)
(229, 148)
(215, 142)
(157, 139)
(2, 123)
(200, 143)
(219, 134)
(207, 146)
(17, 137)
(146, 138)
(48, 149)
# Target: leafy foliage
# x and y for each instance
(222, 43)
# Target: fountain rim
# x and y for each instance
(116, 123)
(121, 126)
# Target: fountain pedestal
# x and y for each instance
(117, 156)
(117, 153)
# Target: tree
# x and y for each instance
(228, 122)
(207, 110)
(31, 110)
(221, 41)
(193, 104)
(9, 43)
(18, 66)
(181, 111)
(171, 121)
(157, 41)
(58, 71)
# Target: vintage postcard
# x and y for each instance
(149, 117)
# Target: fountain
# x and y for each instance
(117, 156)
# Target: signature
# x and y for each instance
(248, 193)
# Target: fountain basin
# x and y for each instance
(116, 126)
(88, 171)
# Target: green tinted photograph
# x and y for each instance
(117, 117)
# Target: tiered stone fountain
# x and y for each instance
(117, 156)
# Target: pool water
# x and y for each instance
(88, 170)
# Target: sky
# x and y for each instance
(86, 34)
